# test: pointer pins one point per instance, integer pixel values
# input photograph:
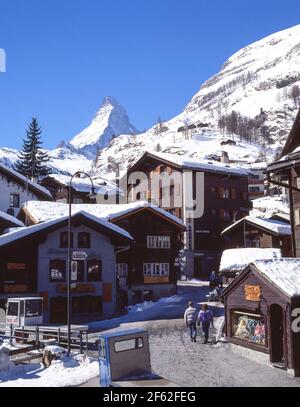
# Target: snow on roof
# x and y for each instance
(27, 231)
(26, 181)
(235, 260)
(84, 184)
(273, 226)
(43, 211)
(205, 165)
(284, 273)
(269, 205)
(10, 219)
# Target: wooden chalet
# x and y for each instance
(33, 262)
(285, 173)
(58, 185)
(17, 189)
(259, 232)
(150, 267)
(225, 198)
(262, 308)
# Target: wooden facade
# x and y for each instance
(142, 281)
(225, 200)
(285, 173)
(259, 316)
(248, 234)
(60, 192)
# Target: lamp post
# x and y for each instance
(92, 195)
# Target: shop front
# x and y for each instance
(261, 309)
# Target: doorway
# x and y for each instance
(198, 267)
(58, 310)
(277, 335)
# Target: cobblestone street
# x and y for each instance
(176, 358)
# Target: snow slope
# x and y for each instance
(258, 77)
(63, 160)
(110, 121)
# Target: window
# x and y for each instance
(254, 189)
(225, 214)
(128, 344)
(13, 308)
(254, 176)
(33, 308)
(64, 240)
(84, 240)
(57, 270)
(158, 242)
(77, 201)
(224, 193)
(80, 270)
(156, 269)
(86, 305)
(233, 193)
(248, 327)
(14, 200)
(122, 270)
(94, 270)
(62, 200)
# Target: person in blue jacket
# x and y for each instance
(205, 317)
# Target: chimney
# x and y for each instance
(224, 157)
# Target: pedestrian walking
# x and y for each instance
(213, 279)
(205, 318)
(190, 318)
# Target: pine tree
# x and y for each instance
(32, 160)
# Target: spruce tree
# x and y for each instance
(32, 160)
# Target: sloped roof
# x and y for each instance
(293, 140)
(10, 220)
(236, 260)
(284, 273)
(43, 211)
(184, 162)
(19, 178)
(84, 184)
(275, 227)
(25, 232)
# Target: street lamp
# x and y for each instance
(92, 195)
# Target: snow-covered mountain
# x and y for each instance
(262, 76)
(63, 160)
(260, 83)
(110, 121)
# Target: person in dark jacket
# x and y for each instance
(205, 317)
(190, 318)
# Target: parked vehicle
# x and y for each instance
(124, 360)
(25, 311)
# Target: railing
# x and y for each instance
(39, 337)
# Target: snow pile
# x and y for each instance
(270, 205)
(71, 371)
(284, 273)
(5, 364)
(236, 260)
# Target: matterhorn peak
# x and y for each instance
(110, 121)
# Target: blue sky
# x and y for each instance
(64, 56)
